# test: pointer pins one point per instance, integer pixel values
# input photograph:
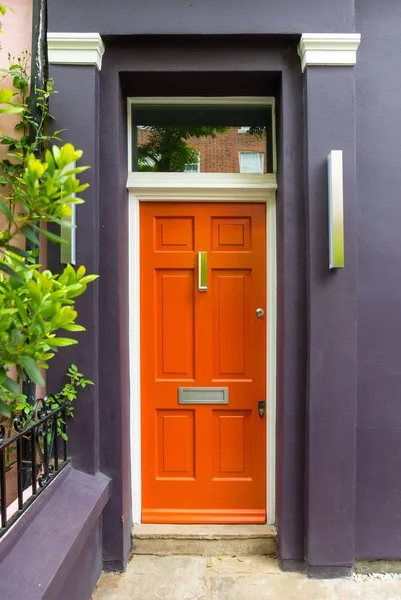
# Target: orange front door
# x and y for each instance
(203, 450)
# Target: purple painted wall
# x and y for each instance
(203, 17)
(329, 380)
(332, 324)
(378, 514)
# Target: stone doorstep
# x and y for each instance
(204, 540)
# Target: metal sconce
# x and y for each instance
(68, 250)
(336, 209)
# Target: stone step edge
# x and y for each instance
(266, 532)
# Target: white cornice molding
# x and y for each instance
(328, 49)
(75, 49)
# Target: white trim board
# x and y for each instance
(75, 49)
(328, 49)
(137, 194)
(202, 187)
(209, 100)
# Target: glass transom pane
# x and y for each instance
(202, 139)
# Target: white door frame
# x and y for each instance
(199, 187)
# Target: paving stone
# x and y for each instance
(237, 565)
(231, 578)
(157, 578)
(368, 590)
(271, 587)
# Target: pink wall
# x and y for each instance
(17, 27)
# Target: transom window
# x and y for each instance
(202, 138)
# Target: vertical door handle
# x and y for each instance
(202, 271)
(261, 408)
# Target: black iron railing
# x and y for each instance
(34, 443)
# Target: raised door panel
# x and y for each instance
(174, 234)
(231, 234)
(232, 444)
(231, 291)
(175, 444)
(175, 336)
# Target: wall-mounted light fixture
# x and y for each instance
(336, 209)
(68, 250)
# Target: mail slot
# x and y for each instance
(203, 395)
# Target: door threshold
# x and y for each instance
(229, 540)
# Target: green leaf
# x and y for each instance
(11, 110)
(54, 342)
(6, 210)
(6, 96)
(17, 251)
(47, 356)
(31, 369)
(73, 327)
(10, 271)
(51, 236)
(16, 337)
(10, 385)
(30, 235)
(22, 311)
(4, 409)
(88, 279)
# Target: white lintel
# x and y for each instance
(75, 49)
(328, 49)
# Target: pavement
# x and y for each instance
(234, 578)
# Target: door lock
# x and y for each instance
(261, 408)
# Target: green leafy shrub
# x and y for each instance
(35, 304)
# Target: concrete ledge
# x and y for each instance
(204, 540)
(364, 567)
(39, 553)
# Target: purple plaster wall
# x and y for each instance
(332, 325)
(258, 65)
(378, 515)
(210, 17)
(86, 570)
(75, 108)
(99, 434)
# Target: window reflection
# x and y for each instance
(165, 143)
(202, 149)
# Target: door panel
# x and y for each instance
(175, 442)
(174, 310)
(203, 463)
(231, 324)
